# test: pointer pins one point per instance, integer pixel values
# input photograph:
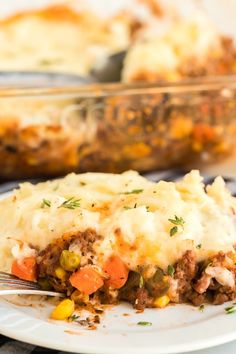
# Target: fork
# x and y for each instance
(16, 286)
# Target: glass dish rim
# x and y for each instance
(96, 90)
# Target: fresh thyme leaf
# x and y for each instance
(231, 309)
(199, 246)
(177, 221)
(73, 318)
(201, 308)
(128, 207)
(71, 203)
(173, 231)
(141, 281)
(45, 203)
(170, 270)
(144, 323)
(134, 191)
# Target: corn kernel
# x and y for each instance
(63, 310)
(60, 273)
(162, 301)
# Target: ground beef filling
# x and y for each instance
(49, 259)
(212, 281)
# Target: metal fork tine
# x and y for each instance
(6, 275)
(14, 291)
(14, 286)
(12, 283)
(17, 280)
(20, 282)
(8, 278)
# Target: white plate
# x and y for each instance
(175, 329)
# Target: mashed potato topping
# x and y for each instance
(60, 39)
(165, 56)
(141, 221)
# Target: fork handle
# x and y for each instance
(30, 292)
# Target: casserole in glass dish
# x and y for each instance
(115, 127)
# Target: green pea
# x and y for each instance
(69, 261)
(44, 284)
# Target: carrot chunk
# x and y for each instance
(116, 271)
(25, 268)
(87, 280)
(203, 133)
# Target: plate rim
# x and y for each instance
(63, 345)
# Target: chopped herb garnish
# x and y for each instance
(45, 203)
(71, 203)
(127, 207)
(134, 191)
(147, 207)
(199, 246)
(144, 323)
(82, 183)
(173, 231)
(201, 308)
(73, 318)
(231, 309)
(170, 270)
(177, 221)
(141, 281)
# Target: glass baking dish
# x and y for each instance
(116, 127)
